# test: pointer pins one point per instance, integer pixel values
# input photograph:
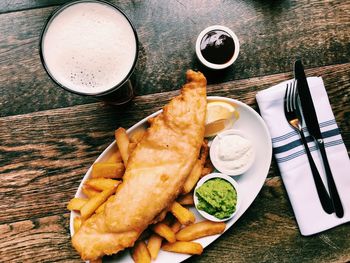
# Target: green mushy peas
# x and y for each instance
(217, 197)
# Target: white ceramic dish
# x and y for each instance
(214, 148)
(226, 178)
(250, 183)
(206, 62)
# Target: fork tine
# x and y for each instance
(289, 101)
(294, 97)
(286, 99)
(296, 94)
(290, 91)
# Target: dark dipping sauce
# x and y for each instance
(217, 47)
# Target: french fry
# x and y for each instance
(182, 214)
(108, 170)
(186, 199)
(184, 247)
(116, 157)
(137, 135)
(99, 260)
(122, 140)
(164, 231)
(161, 217)
(89, 192)
(176, 226)
(89, 208)
(193, 178)
(76, 203)
(201, 229)
(140, 253)
(204, 152)
(154, 244)
(101, 184)
(206, 170)
(208, 163)
(208, 166)
(76, 223)
(132, 147)
(102, 207)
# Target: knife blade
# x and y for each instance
(313, 127)
(307, 104)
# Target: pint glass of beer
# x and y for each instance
(90, 48)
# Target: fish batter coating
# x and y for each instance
(154, 176)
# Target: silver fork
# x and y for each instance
(293, 116)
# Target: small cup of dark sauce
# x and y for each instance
(217, 47)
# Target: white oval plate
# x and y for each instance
(250, 183)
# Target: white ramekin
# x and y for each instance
(212, 65)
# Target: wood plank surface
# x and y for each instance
(272, 35)
(7, 6)
(49, 137)
(44, 155)
(37, 240)
(267, 232)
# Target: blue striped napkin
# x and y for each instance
(293, 163)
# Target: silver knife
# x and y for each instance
(313, 127)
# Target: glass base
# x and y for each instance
(121, 96)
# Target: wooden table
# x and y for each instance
(49, 137)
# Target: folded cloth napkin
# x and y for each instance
(293, 163)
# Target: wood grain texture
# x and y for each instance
(267, 232)
(7, 6)
(45, 152)
(272, 35)
(44, 155)
(37, 240)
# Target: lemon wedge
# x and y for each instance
(220, 115)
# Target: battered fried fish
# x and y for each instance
(154, 176)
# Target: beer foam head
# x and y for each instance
(89, 47)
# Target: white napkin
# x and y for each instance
(293, 163)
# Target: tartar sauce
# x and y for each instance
(233, 152)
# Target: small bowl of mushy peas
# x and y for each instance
(216, 197)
